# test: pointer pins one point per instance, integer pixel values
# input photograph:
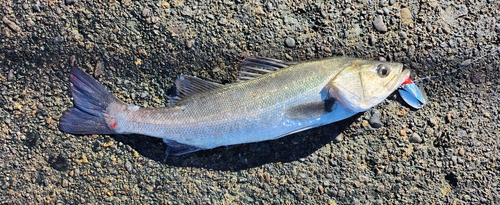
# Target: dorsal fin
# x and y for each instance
(252, 67)
(189, 85)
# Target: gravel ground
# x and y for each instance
(445, 153)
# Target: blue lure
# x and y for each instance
(411, 94)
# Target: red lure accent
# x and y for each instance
(407, 81)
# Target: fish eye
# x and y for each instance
(382, 70)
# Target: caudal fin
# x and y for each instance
(91, 99)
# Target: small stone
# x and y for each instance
(155, 19)
(487, 115)
(432, 122)
(341, 193)
(448, 118)
(128, 166)
(478, 77)
(339, 138)
(379, 24)
(189, 44)
(355, 202)
(364, 123)
(146, 12)
(12, 25)
(373, 39)
(10, 75)
(64, 183)
(45, 182)
(223, 21)
(187, 11)
(461, 134)
(58, 39)
(403, 35)
(300, 196)
(99, 69)
(70, 2)
(36, 7)
(375, 119)
(290, 42)
(461, 151)
(415, 138)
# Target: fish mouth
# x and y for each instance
(398, 80)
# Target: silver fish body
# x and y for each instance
(266, 105)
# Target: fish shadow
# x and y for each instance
(239, 157)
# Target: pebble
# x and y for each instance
(461, 134)
(415, 138)
(478, 77)
(128, 166)
(64, 183)
(58, 39)
(379, 24)
(432, 122)
(70, 2)
(12, 25)
(146, 12)
(290, 42)
(10, 75)
(189, 44)
(36, 7)
(339, 138)
(365, 123)
(375, 119)
(187, 11)
(223, 21)
(300, 196)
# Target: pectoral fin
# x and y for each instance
(328, 98)
(306, 111)
(313, 109)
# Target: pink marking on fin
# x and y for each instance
(114, 125)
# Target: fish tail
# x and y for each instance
(91, 100)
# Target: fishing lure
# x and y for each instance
(411, 94)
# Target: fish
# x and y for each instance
(271, 99)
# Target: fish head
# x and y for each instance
(363, 84)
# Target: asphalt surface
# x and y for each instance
(445, 153)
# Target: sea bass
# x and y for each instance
(273, 99)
